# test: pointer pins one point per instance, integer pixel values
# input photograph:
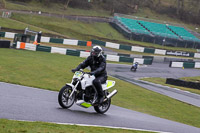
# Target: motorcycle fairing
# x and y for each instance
(71, 85)
(108, 84)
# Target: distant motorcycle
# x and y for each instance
(82, 91)
(134, 67)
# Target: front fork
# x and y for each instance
(74, 89)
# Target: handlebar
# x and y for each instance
(81, 70)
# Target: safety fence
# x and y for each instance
(178, 82)
(185, 64)
(107, 44)
(145, 49)
(81, 53)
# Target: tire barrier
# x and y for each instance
(147, 60)
(183, 83)
(107, 44)
(185, 64)
(4, 44)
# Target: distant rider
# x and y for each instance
(135, 65)
(97, 63)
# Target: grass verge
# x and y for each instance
(54, 8)
(52, 71)
(8, 126)
(163, 80)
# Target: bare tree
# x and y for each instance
(66, 4)
(180, 6)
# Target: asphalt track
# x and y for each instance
(32, 104)
(157, 70)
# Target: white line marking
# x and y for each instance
(85, 125)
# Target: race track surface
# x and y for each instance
(32, 104)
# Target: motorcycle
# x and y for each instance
(82, 91)
(134, 67)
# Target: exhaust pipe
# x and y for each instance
(112, 94)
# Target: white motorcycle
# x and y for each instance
(82, 91)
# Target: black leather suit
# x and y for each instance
(98, 68)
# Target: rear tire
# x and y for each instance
(63, 97)
(102, 108)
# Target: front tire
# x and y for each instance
(102, 108)
(63, 97)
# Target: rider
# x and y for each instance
(97, 63)
(135, 65)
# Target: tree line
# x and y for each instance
(186, 10)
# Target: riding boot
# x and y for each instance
(100, 94)
(100, 99)
(97, 83)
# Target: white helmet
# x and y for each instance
(96, 51)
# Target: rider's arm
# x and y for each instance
(100, 68)
(84, 64)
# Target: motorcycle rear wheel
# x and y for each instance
(102, 108)
(63, 97)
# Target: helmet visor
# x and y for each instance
(95, 53)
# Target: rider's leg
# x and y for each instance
(97, 83)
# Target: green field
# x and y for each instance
(8, 126)
(52, 71)
(163, 80)
(54, 8)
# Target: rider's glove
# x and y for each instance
(91, 73)
(74, 70)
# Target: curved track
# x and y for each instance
(157, 70)
(32, 104)
(27, 103)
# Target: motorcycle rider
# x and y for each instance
(135, 65)
(97, 63)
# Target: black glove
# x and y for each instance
(74, 70)
(91, 73)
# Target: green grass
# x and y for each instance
(163, 80)
(193, 79)
(52, 71)
(54, 8)
(8, 126)
(71, 28)
(17, 25)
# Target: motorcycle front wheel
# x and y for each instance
(63, 97)
(102, 108)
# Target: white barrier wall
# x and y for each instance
(30, 46)
(70, 42)
(197, 65)
(137, 49)
(18, 44)
(112, 45)
(45, 39)
(177, 64)
(84, 54)
(9, 35)
(58, 50)
(140, 61)
(160, 51)
(109, 52)
(196, 55)
(112, 58)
